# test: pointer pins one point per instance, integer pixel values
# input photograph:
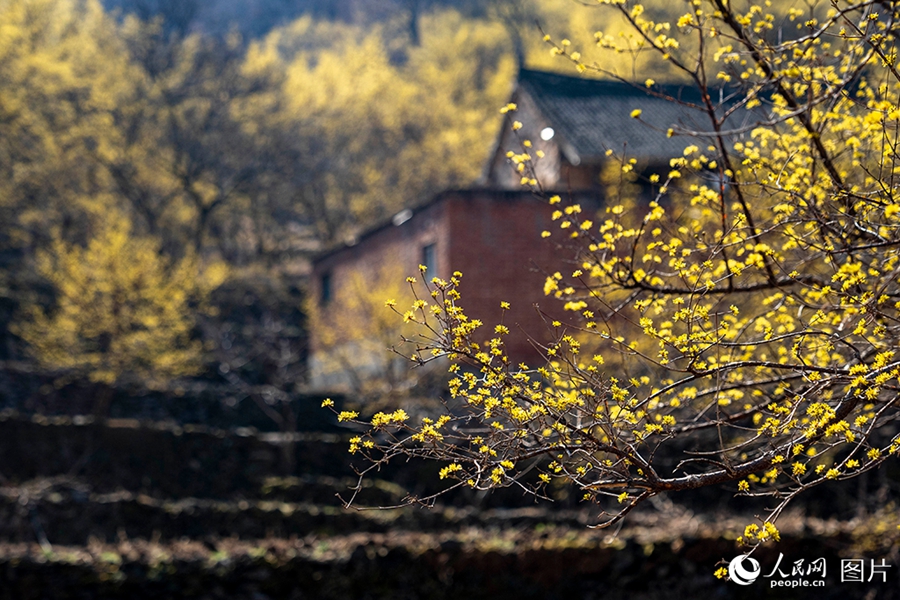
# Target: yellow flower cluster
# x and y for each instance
(746, 289)
(398, 417)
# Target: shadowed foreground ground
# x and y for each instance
(128, 510)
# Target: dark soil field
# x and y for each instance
(126, 509)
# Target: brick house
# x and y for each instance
(491, 233)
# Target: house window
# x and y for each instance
(429, 259)
(325, 291)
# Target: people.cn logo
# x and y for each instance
(738, 572)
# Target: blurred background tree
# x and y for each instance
(248, 134)
(119, 311)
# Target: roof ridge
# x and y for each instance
(591, 86)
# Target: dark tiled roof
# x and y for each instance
(592, 116)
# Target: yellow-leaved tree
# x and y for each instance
(121, 311)
(752, 312)
(64, 78)
(323, 121)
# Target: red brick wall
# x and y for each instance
(496, 243)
